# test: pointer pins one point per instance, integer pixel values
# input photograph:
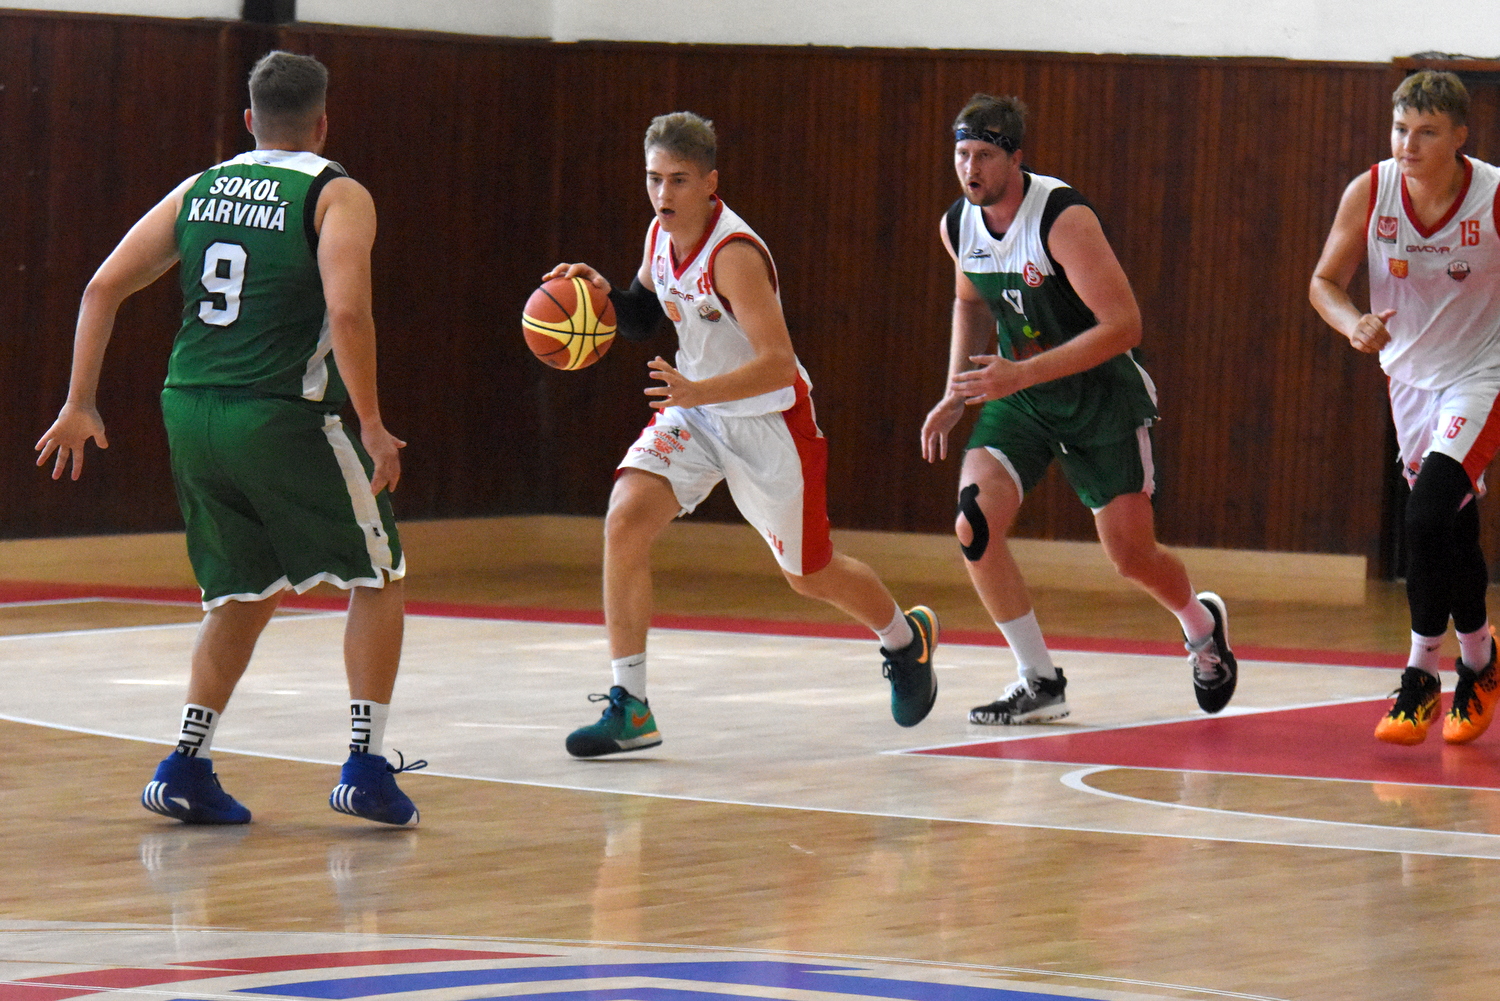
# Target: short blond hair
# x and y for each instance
(686, 136)
(1432, 92)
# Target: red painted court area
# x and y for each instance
(1331, 742)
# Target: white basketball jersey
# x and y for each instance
(709, 340)
(1443, 282)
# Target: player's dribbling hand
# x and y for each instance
(74, 426)
(583, 271)
(1369, 334)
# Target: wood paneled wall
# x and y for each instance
(491, 160)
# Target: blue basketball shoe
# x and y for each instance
(186, 789)
(367, 788)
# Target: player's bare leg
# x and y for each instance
(226, 639)
(988, 501)
(850, 586)
(184, 786)
(373, 633)
(907, 639)
(641, 506)
(1127, 530)
(991, 566)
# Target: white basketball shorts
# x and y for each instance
(776, 466)
(1462, 421)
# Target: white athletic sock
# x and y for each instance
(1424, 653)
(1197, 622)
(630, 674)
(367, 725)
(897, 635)
(197, 733)
(1026, 642)
(1474, 648)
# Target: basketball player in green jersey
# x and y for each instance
(277, 335)
(1032, 266)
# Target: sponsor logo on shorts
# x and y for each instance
(665, 442)
(710, 314)
(1032, 275)
(1458, 270)
(1385, 229)
(1399, 267)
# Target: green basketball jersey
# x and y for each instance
(1036, 308)
(253, 314)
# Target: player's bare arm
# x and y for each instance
(1077, 242)
(346, 234)
(141, 257)
(742, 277)
(973, 332)
(1343, 253)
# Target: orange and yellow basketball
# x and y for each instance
(569, 323)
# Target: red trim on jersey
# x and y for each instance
(713, 255)
(1374, 190)
(1458, 202)
(679, 269)
(812, 452)
(1485, 446)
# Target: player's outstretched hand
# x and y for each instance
(940, 422)
(1370, 334)
(678, 390)
(384, 449)
(583, 271)
(74, 426)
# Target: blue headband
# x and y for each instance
(1005, 142)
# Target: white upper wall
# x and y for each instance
(1357, 30)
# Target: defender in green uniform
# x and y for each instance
(1044, 326)
(277, 335)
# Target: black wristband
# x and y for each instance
(638, 311)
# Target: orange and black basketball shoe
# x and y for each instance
(1474, 701)
(1416, 706)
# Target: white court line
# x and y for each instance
(1075, 780)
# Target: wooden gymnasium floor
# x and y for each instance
(786, 842)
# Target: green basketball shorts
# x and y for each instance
(275, 494)
(1099, 468)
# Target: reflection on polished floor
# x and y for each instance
(784, 842)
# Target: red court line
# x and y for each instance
(15, 591)
(1332, 742)
(67, 985)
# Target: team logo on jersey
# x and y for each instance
(1385, 229)
(661, 270)
(710, 314)
(1398, 267)
(1032, 275)
(673, 313)
(1458, 270)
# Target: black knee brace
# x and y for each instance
(968, 507)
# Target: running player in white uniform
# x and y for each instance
(734, 407)
(1426, 222)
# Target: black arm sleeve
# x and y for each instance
(638, 312)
